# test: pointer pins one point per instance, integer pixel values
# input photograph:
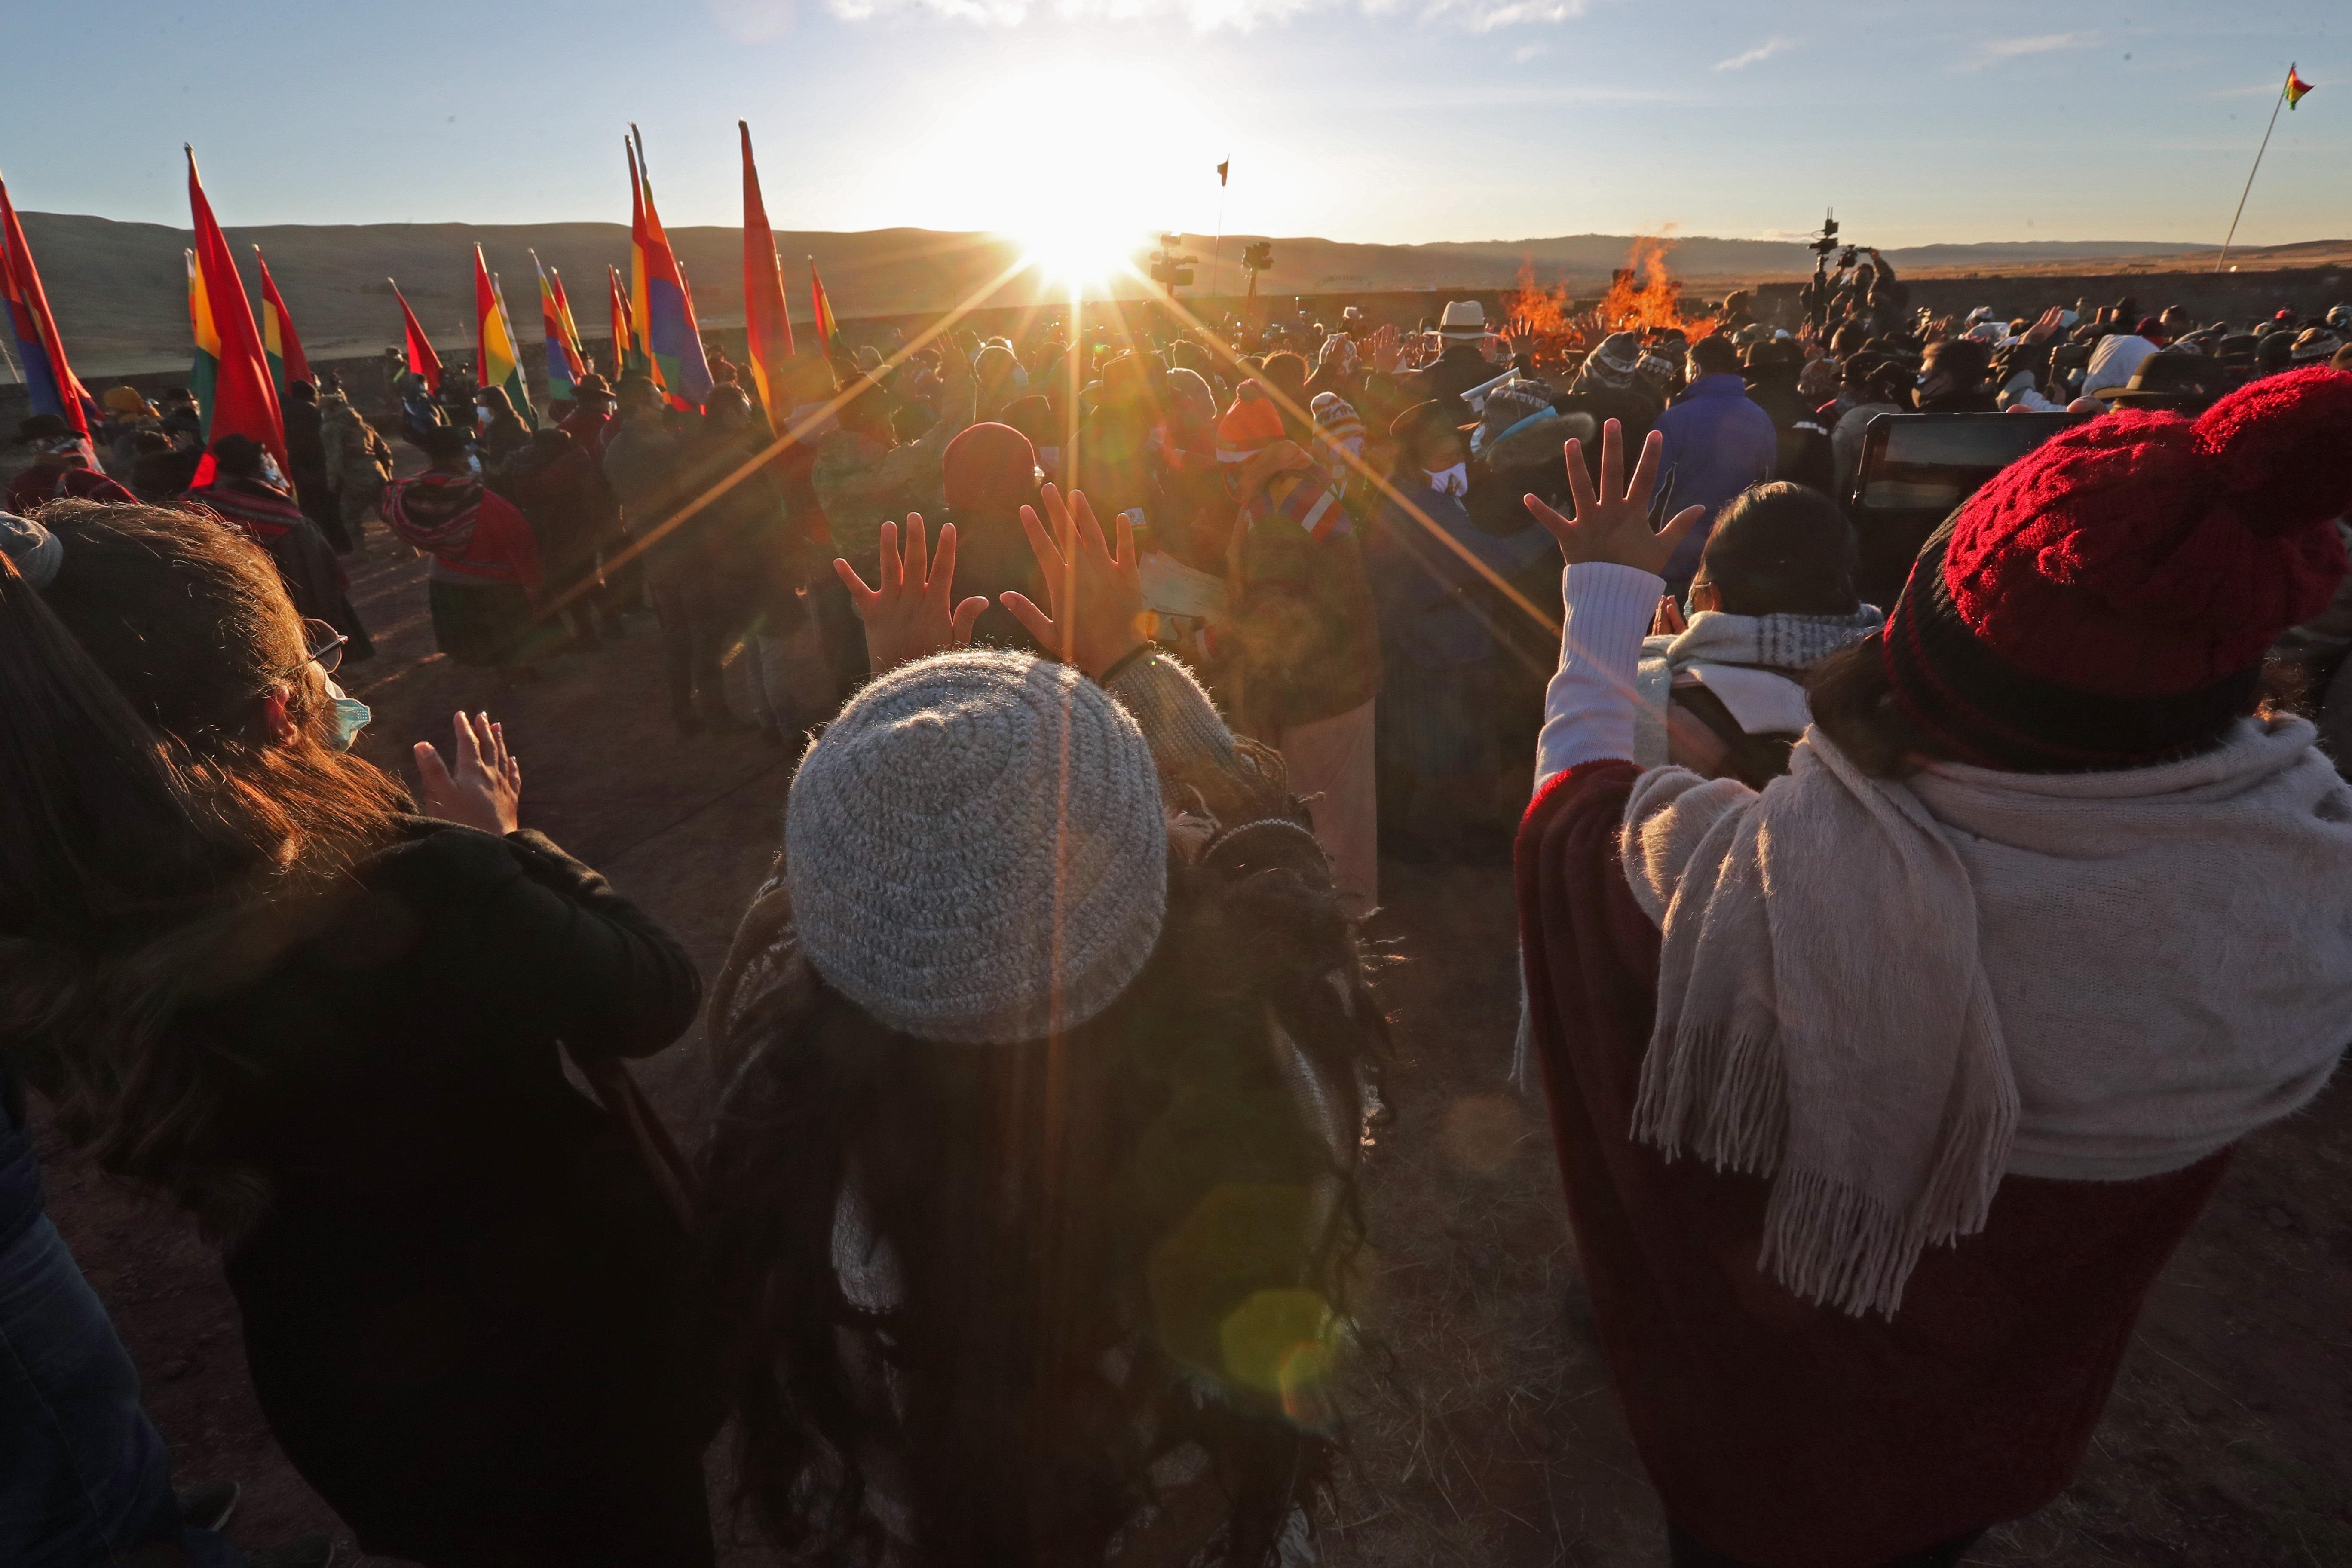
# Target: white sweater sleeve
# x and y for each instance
(1589, 707)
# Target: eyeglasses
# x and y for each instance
(322, 645)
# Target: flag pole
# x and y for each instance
(2234, 217)
(1217, 252)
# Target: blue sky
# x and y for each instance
(1371, 119)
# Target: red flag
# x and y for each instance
(243, 403)
(622, 329)
(767, 326)
(827, 328)
(421, 357)
(279, 340)
(49, 381)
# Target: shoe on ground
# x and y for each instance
(311, 1550)
(209, 1504)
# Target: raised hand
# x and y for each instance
(906, 615)
(484, 790)
(1388, 349)
(1610, 526)
(1096, 595)
(2052, 321)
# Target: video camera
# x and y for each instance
(1826, 244)
(1171, 268)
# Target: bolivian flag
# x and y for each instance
(498, 362)
(2295, 87)
(827, 328)
(279, 340)
(767, 324)
(243, 401)
(205, 375)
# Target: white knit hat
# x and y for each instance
(976, 848)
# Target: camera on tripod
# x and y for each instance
(1827, 240)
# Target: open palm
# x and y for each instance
(908, 615)
(1611, 525)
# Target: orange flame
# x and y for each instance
(1646, 294)
(1547, 312)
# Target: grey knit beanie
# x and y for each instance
(976, 849)
(35, 551)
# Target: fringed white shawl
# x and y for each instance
(1883, 996)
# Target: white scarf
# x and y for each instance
(1717, 651)
(1885, 995)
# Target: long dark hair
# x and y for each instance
(157, 839)
(1106, 1249)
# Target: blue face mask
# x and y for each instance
(351, 716)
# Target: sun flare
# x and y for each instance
(1076, 247)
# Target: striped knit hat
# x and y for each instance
(1336, 419)
(976, 848)
(1519, 399)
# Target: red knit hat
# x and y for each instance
(1250, 426)
(989, 468)
(2107, 599)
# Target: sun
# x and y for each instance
(1074, 245)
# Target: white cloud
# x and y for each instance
(1206, 16)
(1995, 50)
(1761, 52)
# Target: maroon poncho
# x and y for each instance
(1782, 1433)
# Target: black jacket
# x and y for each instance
(460, 1308)
(1456, 371)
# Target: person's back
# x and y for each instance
(1957, 1061)
(1888, 389)
(990, 474)
(1613, 384)
(973, 1307)
(1803, 454)
(306, 454)
(241, 496)
(865, 477)
(160, 470)
(1724, 694)
(641, 456)
(343, 1056)
(1718, 442)
(1462, 365)
(485, 562)
(1437, 609)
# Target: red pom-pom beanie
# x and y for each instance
(2106, 600)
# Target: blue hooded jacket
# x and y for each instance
(1718, 442)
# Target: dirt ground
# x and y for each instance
(1485, 1430)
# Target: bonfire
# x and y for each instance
(1645, 296)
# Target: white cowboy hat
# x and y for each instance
(1464, 321)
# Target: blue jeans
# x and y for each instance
(84, 1475)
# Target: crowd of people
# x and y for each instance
(1926, 933)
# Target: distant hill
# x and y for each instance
(120, 289)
